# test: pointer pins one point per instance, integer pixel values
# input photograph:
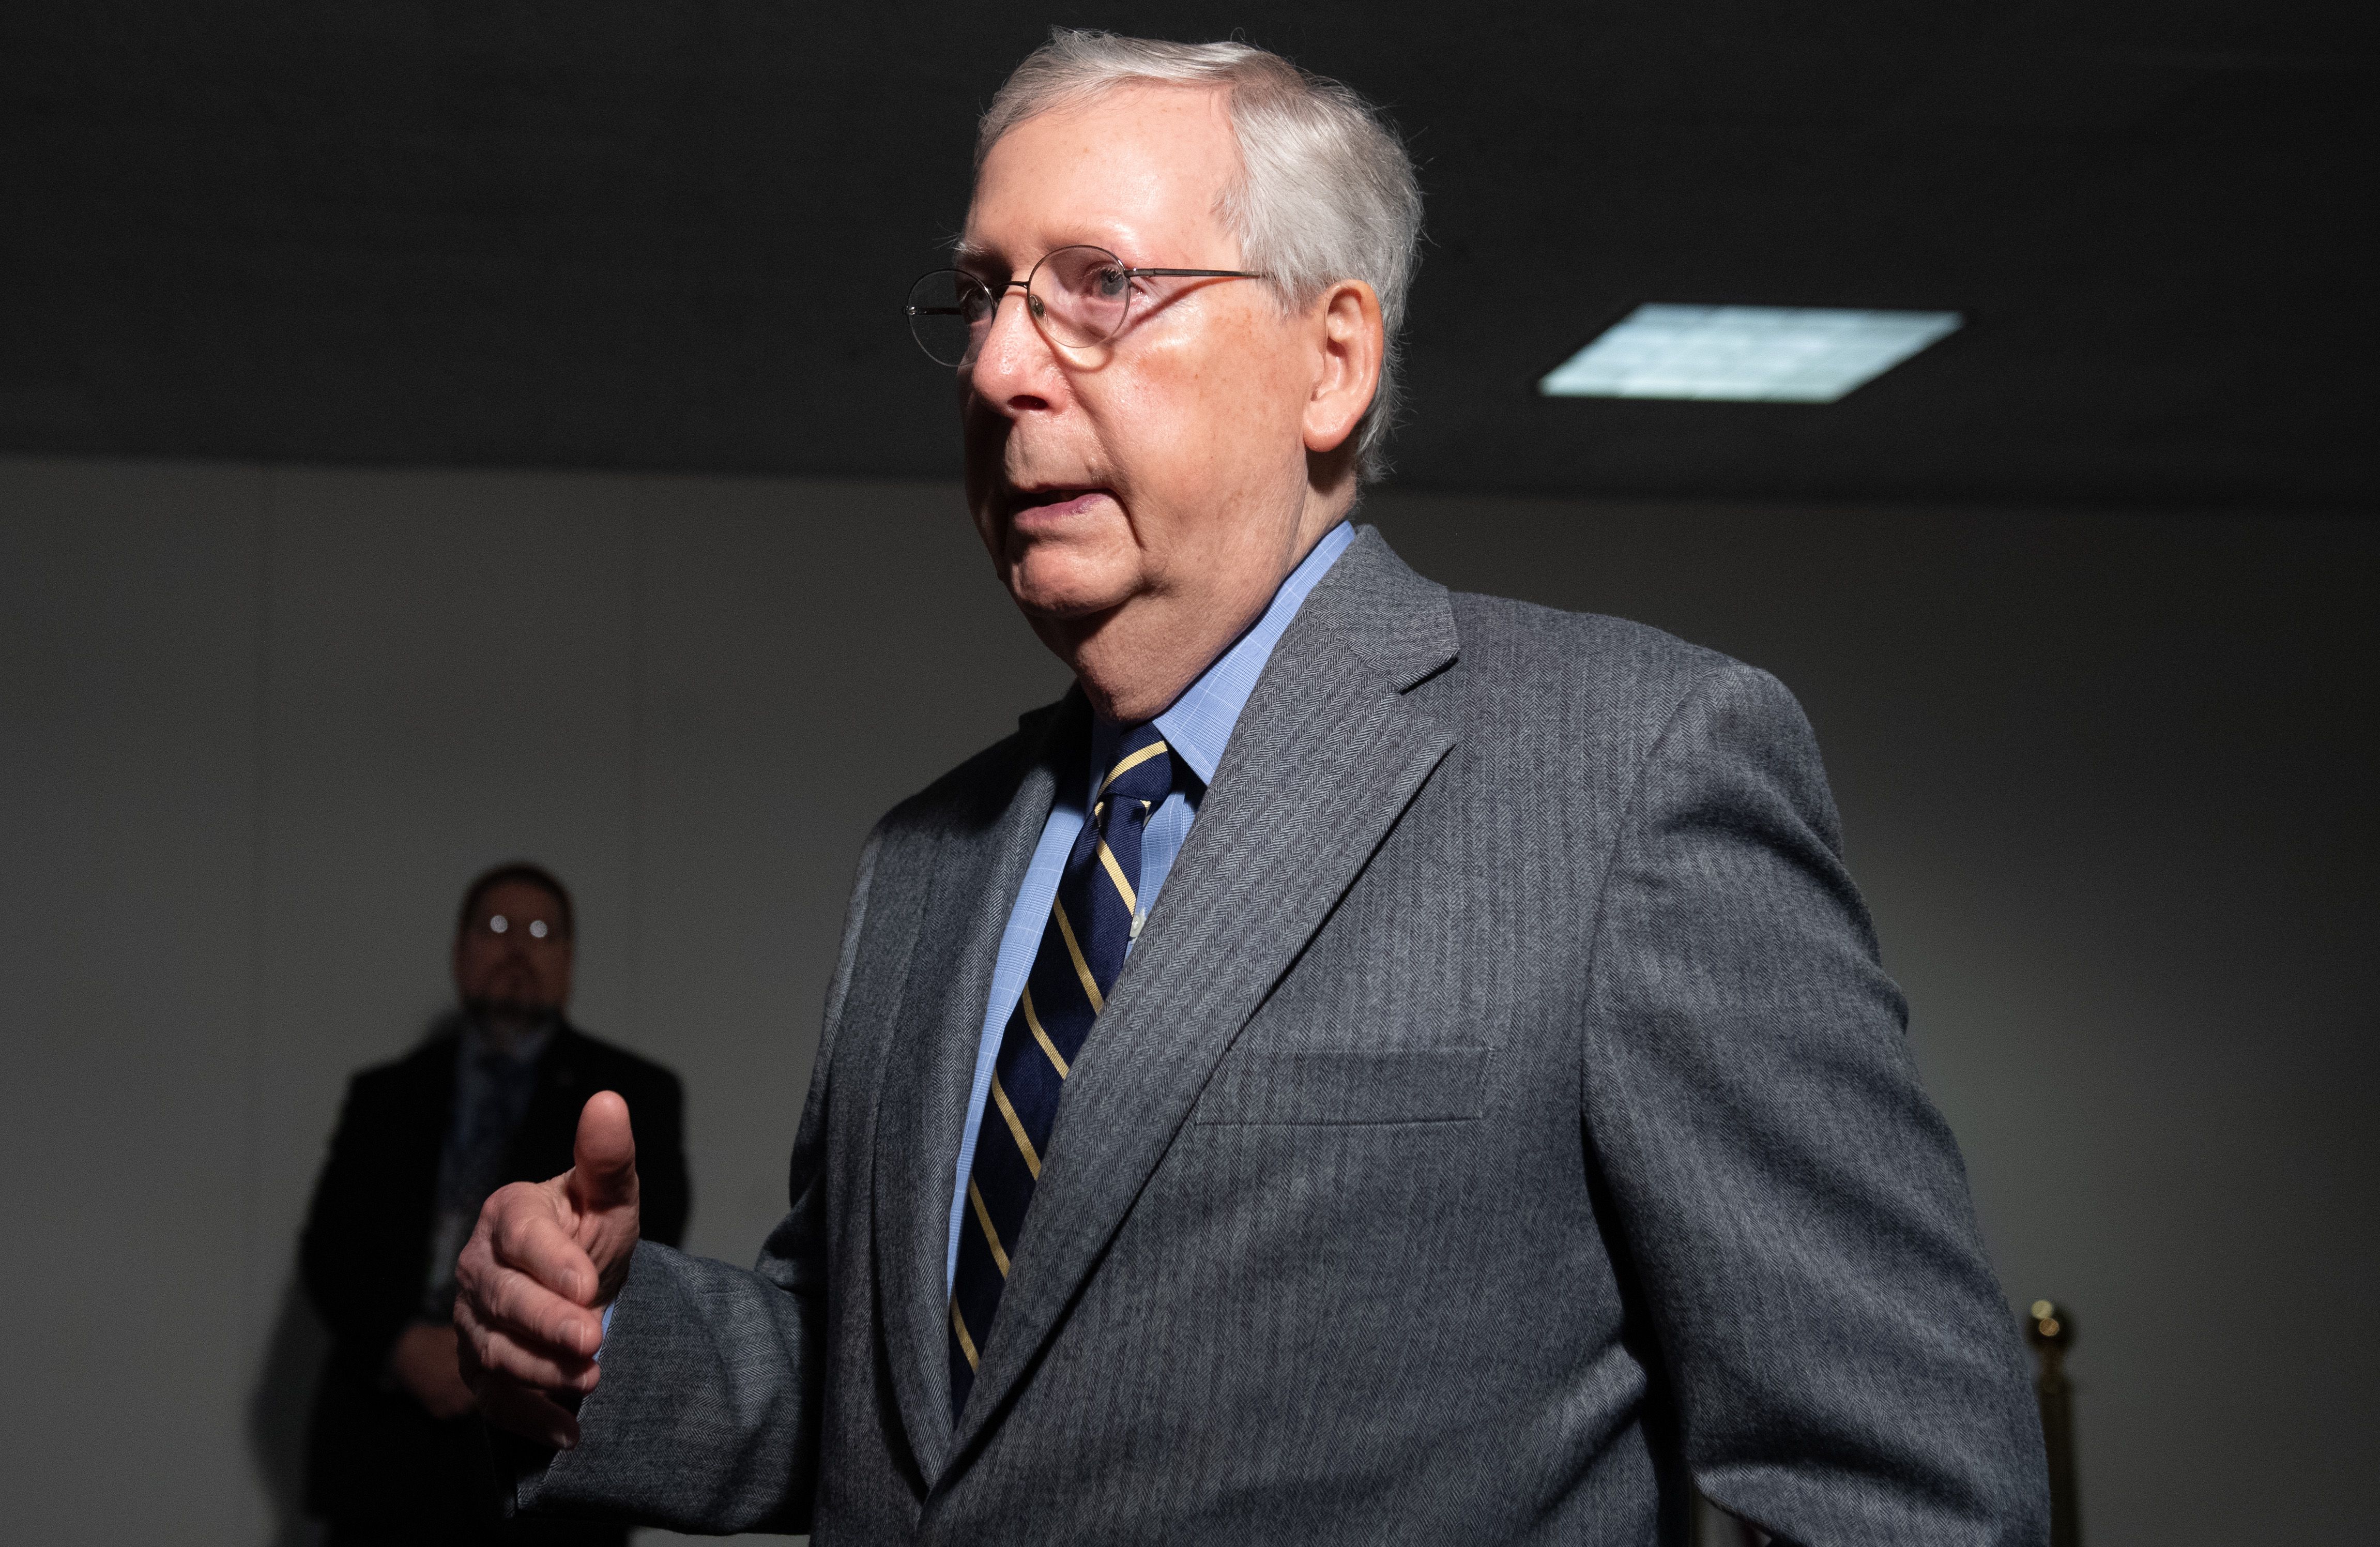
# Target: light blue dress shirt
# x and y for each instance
(1197, 728)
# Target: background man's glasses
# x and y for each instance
(505, 927)
(1078, 297)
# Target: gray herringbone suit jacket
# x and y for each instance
(1502, 1116)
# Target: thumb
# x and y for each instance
(603, 1160)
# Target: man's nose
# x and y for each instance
(1014, 353)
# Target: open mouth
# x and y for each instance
(1052, 504)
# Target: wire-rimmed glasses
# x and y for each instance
(1079, 297)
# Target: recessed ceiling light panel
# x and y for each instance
(1745, 354)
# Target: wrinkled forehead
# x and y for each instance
(1140, 169)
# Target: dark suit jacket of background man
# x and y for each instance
(372, 1451)
(1502, 1104)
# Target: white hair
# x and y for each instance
(1326, 190)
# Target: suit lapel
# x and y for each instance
(1322, 764)
(922, 1100)
(543, 1144)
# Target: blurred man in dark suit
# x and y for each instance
(493, 1097)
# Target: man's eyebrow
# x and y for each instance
(968, 255)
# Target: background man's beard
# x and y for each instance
(507, 1020)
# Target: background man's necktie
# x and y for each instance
(1082, 951)
(489, 1108)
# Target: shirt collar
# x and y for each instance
(1198, 725)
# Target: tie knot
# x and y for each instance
(1143, 769)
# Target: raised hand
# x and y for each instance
(544, 1259)
(423, 1360)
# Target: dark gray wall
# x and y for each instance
(2104, 779)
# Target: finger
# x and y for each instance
(529, 1313)
(466, 1352)
(504, 1357)
(525, 1234)
(492, 1351)
(529, 1412)
(603, 1160)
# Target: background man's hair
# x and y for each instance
(518, 870)
(1326, 190)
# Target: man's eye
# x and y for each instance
(1110, 282)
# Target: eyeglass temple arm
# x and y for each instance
(1013, 282)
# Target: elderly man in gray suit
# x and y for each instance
(1368, 1065)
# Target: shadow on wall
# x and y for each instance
(276, 1414)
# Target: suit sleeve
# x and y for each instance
(706, 1418)
(360, 1272)
(663, 1181)
(1792, 1209)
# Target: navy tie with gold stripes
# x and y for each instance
(1082, 950)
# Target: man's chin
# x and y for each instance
(1064, 592)
(511, 1016)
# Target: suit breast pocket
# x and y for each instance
(1348, 1085)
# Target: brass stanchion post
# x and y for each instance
(2051, 1332)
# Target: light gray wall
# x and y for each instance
(2106, 779)
(261, 727)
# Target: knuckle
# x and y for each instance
(512, 1362)
(524, 1310)
(504, 1227)
(504, 1300)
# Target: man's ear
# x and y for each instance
(1350, 345)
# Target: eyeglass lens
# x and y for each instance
(1078, 295)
